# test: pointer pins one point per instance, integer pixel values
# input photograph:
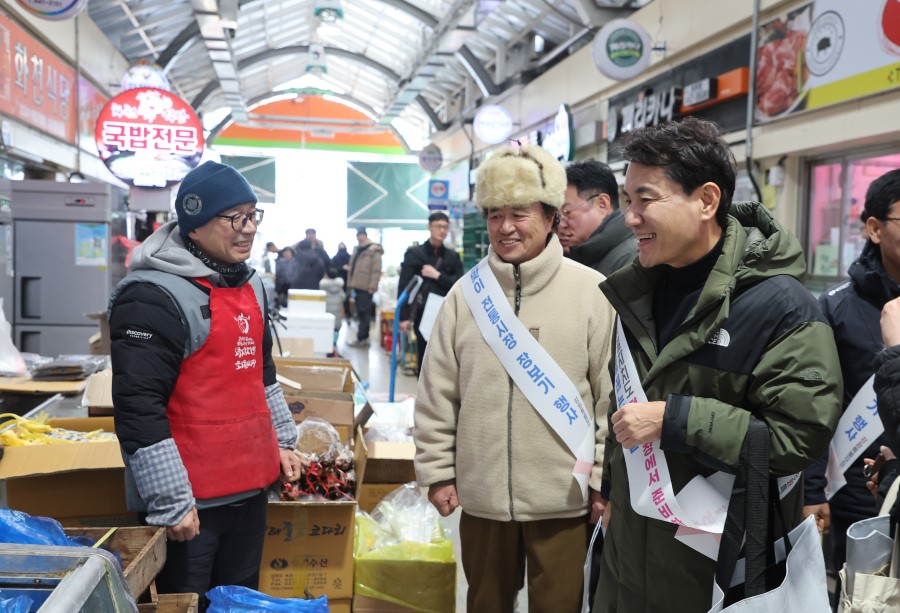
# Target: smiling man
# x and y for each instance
(511, 405)
(201, 420)
(592, 229)
(718, 327)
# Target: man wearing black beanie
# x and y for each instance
(201, 420)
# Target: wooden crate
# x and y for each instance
(142, 548)
(171, 603)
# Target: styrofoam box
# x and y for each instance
(306, 301)
(317, 326)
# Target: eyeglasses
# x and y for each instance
(567, 213)
(239, 220)
(891, 219)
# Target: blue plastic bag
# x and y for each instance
(237, 599)
(23, 529)
(18, 604)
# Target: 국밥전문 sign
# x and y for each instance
(826, 52)
(55, 10)
(621, 49)
(149, 137)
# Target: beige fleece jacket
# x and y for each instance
(474, 426)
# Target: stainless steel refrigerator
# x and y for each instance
(62, 263)
(6, 249)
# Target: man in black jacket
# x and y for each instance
(853, 309)
(439, 267)
(202, 422)
(592, 230)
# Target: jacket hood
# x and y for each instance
(164, 250)
(869, 277)
(765, 248)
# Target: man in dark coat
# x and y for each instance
(853, 309)
(439, 267)
(592, 230)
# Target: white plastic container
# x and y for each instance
(306, 301)
(317, 326)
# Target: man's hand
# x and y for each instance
(290, 465)
(404, 326)
(443, 497)
(598, 506)
(822, 513)
(890, 323)
(186, 529)
(431, 272)
(638, 423)
(874, 480)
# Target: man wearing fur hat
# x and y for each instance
(201, 420)
(511, 403)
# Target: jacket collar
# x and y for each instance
(869, 277)
(534, 274)
(755, 248)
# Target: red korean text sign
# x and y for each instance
(36, 86)
(149, 137)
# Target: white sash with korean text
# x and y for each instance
(701, 506)
(532, 369)
(857, 429)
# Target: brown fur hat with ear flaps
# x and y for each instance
(519, 176)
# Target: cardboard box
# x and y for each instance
(75, 483)
(293, 347)
(309, 545)
(389, 465)
(368, 495)
(100, 345)
(98, 394)
(318, 374)
(342, 605)
(334, 407)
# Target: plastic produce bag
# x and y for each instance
(237, 599)
(402, 555)
(18, 604)
(23, 529)
(12, 364)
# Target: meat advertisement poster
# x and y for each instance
(826, 52)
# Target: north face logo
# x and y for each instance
(720, 338)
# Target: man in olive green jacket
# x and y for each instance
(719, 328)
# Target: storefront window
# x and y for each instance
(837, 194)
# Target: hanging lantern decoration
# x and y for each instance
(145, 74)
(54, 10)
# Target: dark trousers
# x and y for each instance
(364, 312)
(420, 351)
(227, 551)
(494, 555)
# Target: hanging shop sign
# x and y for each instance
(438, 195)
(36, 86)
(493, 124)
(621, 49)
(149, 137)
(55, 10)
(824, 53)
(431, 158)
(315, 60)
(145, 75)
(90, 103)
(712, 86)
(558, 139)
(649, 108)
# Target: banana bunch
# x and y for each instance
(18, 431)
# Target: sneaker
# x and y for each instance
(364, 342)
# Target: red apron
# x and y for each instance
(218, 413)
